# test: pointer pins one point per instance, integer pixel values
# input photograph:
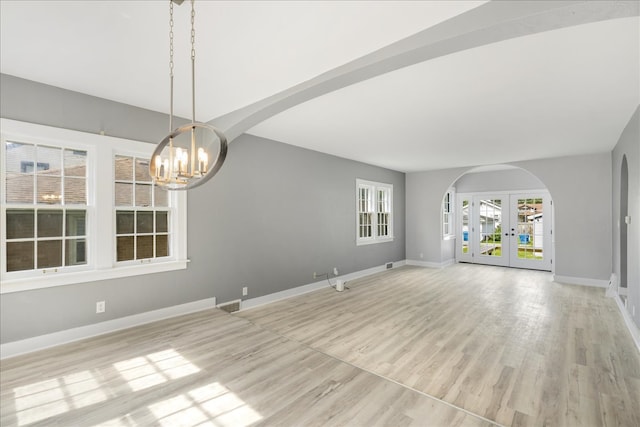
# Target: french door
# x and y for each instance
(511, 230)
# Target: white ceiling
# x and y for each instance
(561, 92)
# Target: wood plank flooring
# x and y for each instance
(411, 346)
(205, 369)
(507, 344)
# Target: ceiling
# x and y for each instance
(566, 91)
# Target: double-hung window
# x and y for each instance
(78, 207)
(448, 203)
(142, 212)
(374, 212)
(46, 208)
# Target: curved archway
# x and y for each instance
(504, 216)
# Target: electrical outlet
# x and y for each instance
(245, 291)
(100, 307)
(633, 309)
(315, 275)
(335, 271)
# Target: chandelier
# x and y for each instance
(191, 154)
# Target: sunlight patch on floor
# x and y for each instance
(153, 369)
(211, 405)
(45, 399)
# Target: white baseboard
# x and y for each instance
(41, 342)
(633, 329)
(583, 281)
(612, 286)
(288, 293)
(430, 264)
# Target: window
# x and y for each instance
(46, 208)
(447, 215)
(62, 225)
(374, 210)
(142, 212)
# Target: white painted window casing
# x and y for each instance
(374, 212)
(100, 210)
(448, 215)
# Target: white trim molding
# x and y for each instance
(583, 281)
(628, 321)
(300, 290)
(430, 264)
(54, 339)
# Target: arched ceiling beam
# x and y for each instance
(491, 22)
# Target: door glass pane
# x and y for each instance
(490, 211)
(465, 226)
(530, 232)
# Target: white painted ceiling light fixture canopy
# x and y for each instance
(192, 154)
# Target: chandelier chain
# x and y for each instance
(171, 38)
(193, 62)
(171, 64)
(193, 30)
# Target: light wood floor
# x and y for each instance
(409, 346)
(509, 345)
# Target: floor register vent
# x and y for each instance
(230, 307)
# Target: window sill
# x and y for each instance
(61, 279)
(373, 241)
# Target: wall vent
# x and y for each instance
(389, 265)
(230, 307)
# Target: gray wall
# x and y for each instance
(580, 187)
(425, 191)
(500, 180)
(628, 145)
(274, 215)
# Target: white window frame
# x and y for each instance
(450, 215)
(135, 208)
(373, 188)
(101, 262)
